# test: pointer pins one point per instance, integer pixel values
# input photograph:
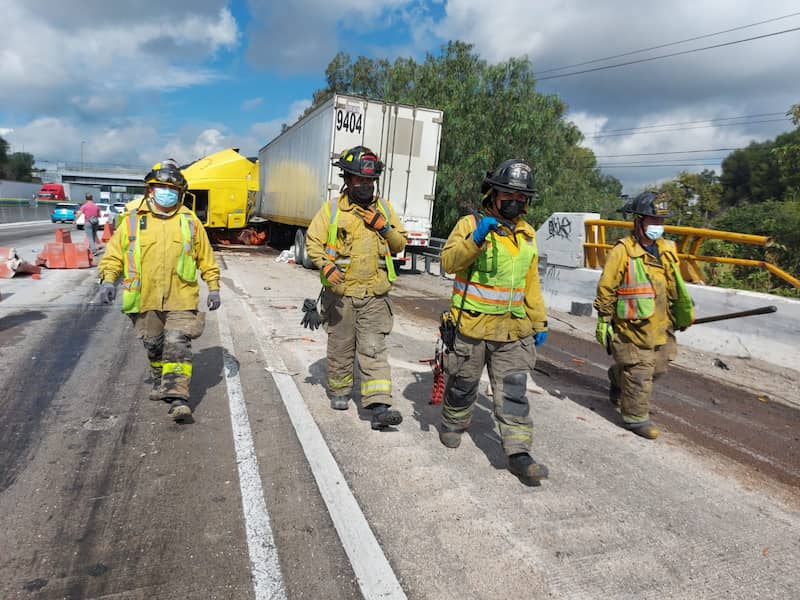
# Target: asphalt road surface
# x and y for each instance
(267, 493)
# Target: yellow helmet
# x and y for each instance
(166, 172)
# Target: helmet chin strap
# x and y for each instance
(639, 231)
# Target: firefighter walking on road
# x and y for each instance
(641, 299)
(159, 249)
(351, 241)
(498, 316)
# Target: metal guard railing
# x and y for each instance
(689, 242)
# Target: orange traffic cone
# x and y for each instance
(107, 231)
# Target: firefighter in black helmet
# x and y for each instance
(499, 313)
(351, 240)
(641, 298)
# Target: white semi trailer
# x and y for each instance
(296, 175)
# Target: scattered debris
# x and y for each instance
(721, 365)
(763, 398)
(11, 264)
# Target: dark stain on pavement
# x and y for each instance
(31, 391)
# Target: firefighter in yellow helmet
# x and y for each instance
(641, 298)
(159, 250)
(351, 240)
(497, 314)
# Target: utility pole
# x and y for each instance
(82, 143)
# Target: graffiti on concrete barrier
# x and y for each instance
(561, 228)
(553, 272)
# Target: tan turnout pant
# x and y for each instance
(634, 371)
(508, 364)
(357, 328)
(167, 338)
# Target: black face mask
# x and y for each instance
(511, 209)
(361, 194)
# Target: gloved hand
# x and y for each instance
(375, 220)
(485, 225)
(311, 319)
(539, 338)
(333, 274)
(107, 293)
(604, 332)
(214, 300)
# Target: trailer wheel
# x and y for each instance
(300, 254)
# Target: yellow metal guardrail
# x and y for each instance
(689, 242)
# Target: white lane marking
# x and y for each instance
(375, 576)
(267, 577)
(22, 224)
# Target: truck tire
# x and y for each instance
(306, 258)
(300, 255)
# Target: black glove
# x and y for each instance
(107, 293)
(311, 318)
(214, 300)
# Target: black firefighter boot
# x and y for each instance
(179, 409)
(526, 469)
(383, 416)
(339, 402)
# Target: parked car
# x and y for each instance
(117, 208)
(105, 211)
(64, 212)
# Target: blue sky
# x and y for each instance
(131, 83)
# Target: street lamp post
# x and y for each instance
(82, 143)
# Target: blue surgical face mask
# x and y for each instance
(654, 232)
(166, 197)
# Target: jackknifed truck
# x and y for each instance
(296, 175)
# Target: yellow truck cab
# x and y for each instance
(222, 189)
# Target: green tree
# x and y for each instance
(780, 221)
(694, 198)
(3, 157)
(491, 112)
(20, 166)
(788, 157)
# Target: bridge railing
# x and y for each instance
(690, 239)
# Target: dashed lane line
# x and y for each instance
(267, 577)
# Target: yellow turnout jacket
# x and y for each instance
(458, 254)
(161, 246)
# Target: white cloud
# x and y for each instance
(741, 79)
(252, 103)
(266, 130)
(42, 61)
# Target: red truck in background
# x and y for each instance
(52, 192)
(67, 192)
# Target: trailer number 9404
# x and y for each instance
(349, 121)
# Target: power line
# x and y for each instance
(643, 60)
(686, 128)
(703, 161)
(663, 153)
(772, 114)
(692, 39)
(671, 166)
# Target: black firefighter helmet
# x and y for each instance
(361, 161)
(648, 204)
(513, 175)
